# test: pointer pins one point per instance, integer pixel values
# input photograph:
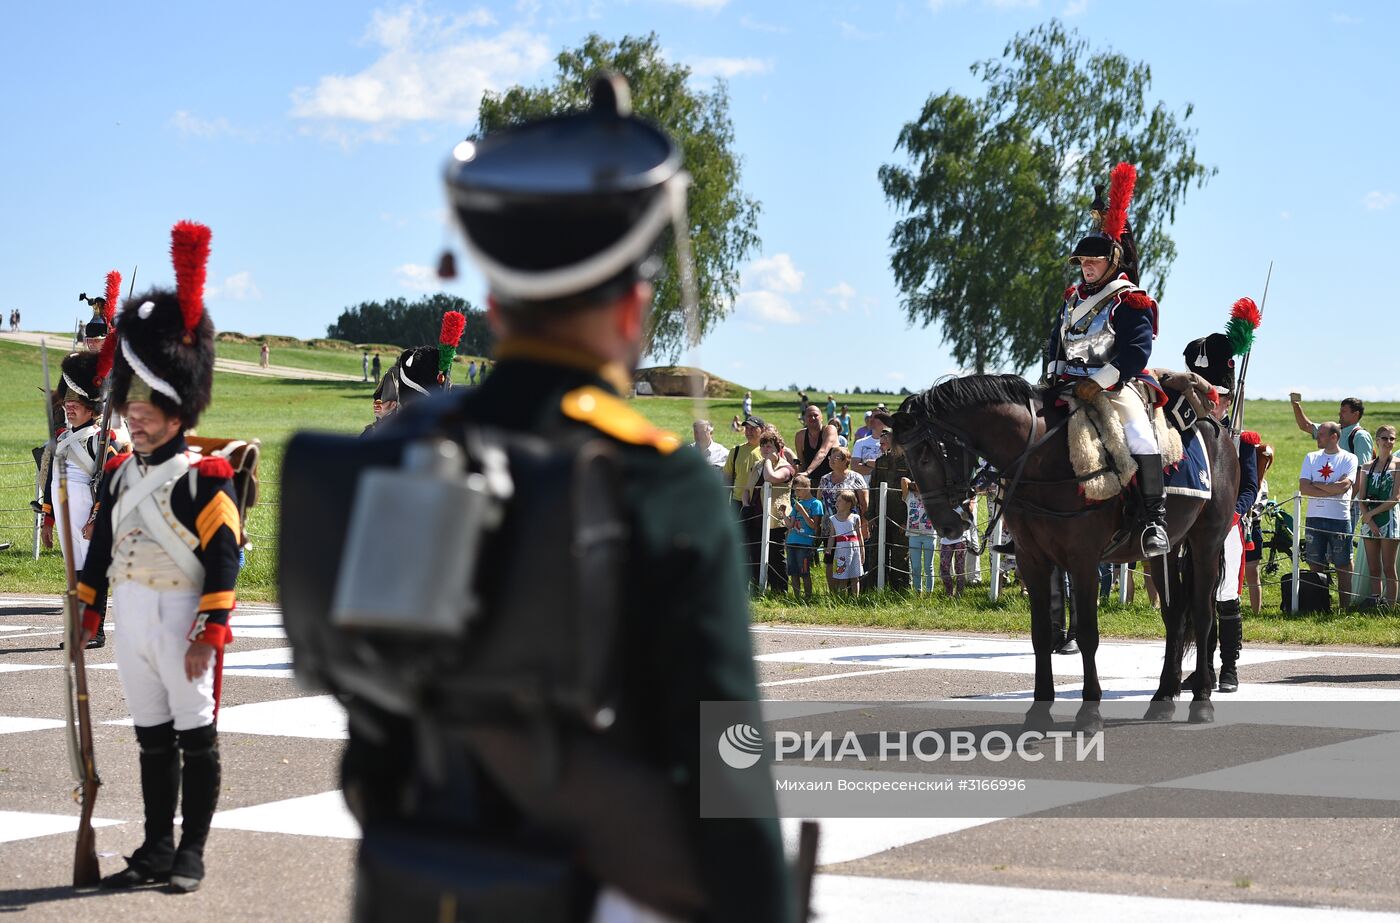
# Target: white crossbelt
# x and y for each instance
(1087, 307)
(73, 446)
(137, 506)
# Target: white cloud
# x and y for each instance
(1346, 19)
(190, 125)
(417, 277)
(748, 22)
(1286, 216)
(1377, 201)
(728, 68)
(844, 293)
(940, 5)
(770, 307)
(1075, 8)
(855, 33)
(237, 287)
(765, 284)
(775, 273)
(431, 67)
(895, 376)
(700, 4)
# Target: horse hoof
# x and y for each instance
(1088, 721)
(1038, 718)
(1160, 710)
(1203, 712)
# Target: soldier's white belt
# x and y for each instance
(145, 507)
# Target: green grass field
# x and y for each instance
(272, 409)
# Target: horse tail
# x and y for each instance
(1182, 585)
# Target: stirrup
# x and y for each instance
(1154, 541)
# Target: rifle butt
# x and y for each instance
(86, 872)
(808, 835)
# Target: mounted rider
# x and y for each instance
(1103, 341)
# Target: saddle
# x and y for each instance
(1098, 449)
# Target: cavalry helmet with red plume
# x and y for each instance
(166, 351)
(103, 307)
(1111, 236)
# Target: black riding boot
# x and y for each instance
(201, 781)
(1152, 495)
(1231, 641)
(160, 787)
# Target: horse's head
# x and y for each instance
(942, 467)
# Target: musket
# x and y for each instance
(1237, 408)
(86, 873)
(104, 435)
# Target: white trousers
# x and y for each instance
(1232, 572)
(1131, 406)
(151, 650)
(615, 907)
(79, 508)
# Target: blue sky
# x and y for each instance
(310, 137)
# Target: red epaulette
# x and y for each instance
(1139, 300)
(1250, 437)
(1069, 292)
(116, 461)
(215, 467)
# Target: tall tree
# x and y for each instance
(723, 220)
(412, 323)
(997, 189)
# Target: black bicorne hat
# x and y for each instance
(165, 350)
(1212, 358)
(571, 205)
(79, 381)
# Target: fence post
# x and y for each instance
(1123, 578)
(994, 586)
(1297, 532)
(763, 536)
(880, 554)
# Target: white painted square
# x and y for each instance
(25, 825)
(313, 815)
(319, 717)
(20, 725)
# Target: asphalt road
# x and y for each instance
(1147, 844)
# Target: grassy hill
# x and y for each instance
(272, 409)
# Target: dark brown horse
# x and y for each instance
(1003, 419)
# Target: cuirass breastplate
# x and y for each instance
(1091, 341)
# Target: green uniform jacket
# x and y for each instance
(685, 628)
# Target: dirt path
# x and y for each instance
(236, 366)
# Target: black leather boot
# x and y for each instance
(201, 781)
(1152, 494)
(1231, 642)
(160, 789)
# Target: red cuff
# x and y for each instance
(92, 619)
(215, 634)
(49, 520)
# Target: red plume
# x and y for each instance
(1249, 437)
(1246, 310)
(108, 353)
(453, 323)
(114, 294)
(189, 250)
(1120, 192)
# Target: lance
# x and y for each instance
(1237, 408)
(86, 873)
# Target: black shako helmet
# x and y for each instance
(568, 209)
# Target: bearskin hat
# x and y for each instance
(1210, 357)
(166, 351)
(80, 381)
(422, 369)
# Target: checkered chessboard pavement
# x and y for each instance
(283, 843)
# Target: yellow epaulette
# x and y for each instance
(611, 415)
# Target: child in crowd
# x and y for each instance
(844, 545)
(922, 537)
(804, 525)
(952, 561)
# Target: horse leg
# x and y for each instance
(1036, 576)
(1163, 706)
(1085, 580)
(1204, 572)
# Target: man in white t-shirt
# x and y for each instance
(867, 449)
(705, 444)
(1326, 480)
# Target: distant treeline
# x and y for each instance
(411, 323)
